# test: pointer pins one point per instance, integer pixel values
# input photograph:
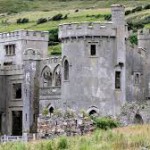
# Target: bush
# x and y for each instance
(147, 6)
(62, 143)
(128, 12)
(53, 37)
(139, 8)
(22, 20)
(107, 17)
(65, 17)
(41, 20)
(55, 53)
(133, 39)
(49, 146)
(45, 112)
(146, 20)
(57, 17)
(105, 123)
(135, 25)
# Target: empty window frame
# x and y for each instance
(66, 70)
(10, 49)
(137, 78)
(17, 91)
(93, 49)
(7, 63)
(117, 80)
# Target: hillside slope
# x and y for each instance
(72, 11)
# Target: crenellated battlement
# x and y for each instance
(86, 29)
(144, 34)
(24, 34)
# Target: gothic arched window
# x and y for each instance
(47, 77)
(57, 76)
(66, 70)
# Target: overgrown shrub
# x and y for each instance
(105, 123)
(41, 20)
(22, 20)
(147, 6)
(65, 17)
(45, 112)
(127, 12)
(69, 114)
(146, 20)
(95, 16)
(57, 113)
(133, 39)
(57, 17)
(135, 25)
(53, 37)
(138, 8)
(62, 143)
(49, 146)
(107, 17)
(55, 53)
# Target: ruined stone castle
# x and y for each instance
(98, 72)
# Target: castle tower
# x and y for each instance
(143, 42)
(93, 65)
(31, 90)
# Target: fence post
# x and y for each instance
(25, 137)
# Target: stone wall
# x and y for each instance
(51, 126)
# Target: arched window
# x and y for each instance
(47, 77)
(57, 76)
(138, 119)
(66, 70)
(92, 112)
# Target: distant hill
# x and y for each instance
(48, 5)
(48, 14)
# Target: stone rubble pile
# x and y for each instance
(50, 127)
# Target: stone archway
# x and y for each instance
(138, 119)
(92, 112)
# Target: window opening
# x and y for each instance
(93, 50)
(137, 78)
(10, 49)
(138, 119)
(17, 93)
(51, 110)
(118, 80)
(66, 70)
(7, 63)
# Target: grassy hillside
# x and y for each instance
(48, 5)
(75, 10)
(126, 138)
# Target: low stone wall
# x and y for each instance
(50, 127)
(135, 113)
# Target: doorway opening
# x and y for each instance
(138, 119)
(16, 123)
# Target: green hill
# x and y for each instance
(13, 12)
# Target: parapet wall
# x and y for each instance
(52, 60)
(24, 34)
(11, 70)
(86, 29)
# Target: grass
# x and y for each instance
(34, 9)
(125, 138)
(49, 5)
